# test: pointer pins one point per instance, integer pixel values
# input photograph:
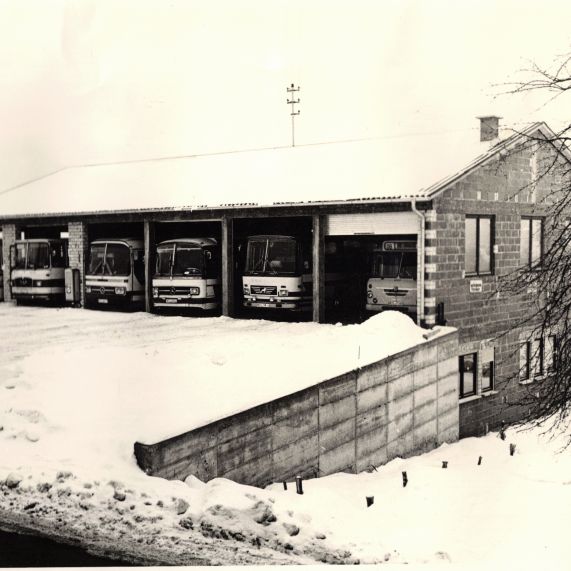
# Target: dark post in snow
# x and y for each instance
(480, 461)
(293, 102)
(298, 485)
(285, 485)
(445, 463)
(404, 479)
(370, 500)
(512, 449)
(149, 239)
(318, 268)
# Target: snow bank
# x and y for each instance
(89, 404)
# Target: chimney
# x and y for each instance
(489, 128)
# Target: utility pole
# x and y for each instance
(293, 102)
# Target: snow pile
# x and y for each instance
(86, 405)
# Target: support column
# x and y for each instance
(9, 236)
(77, 252)
(228, 266)
(318, 268)
(149, 233)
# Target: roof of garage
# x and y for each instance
(380, 170)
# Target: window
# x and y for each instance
(524, 361)
(537, 357)
(468, 368)
(487, 358)
(479, 238)
(531, 240)
(550, 353)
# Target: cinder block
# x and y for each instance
(335, 412)
(340, 459)
(336, 435)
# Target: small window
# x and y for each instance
(550, 353)
(524, 361)
(531, 241)
(487, 358)
(479, 238)
(537, 357)
(468, 366)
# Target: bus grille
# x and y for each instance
(264, 290)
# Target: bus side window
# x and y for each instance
(139, 265)
(211, 264)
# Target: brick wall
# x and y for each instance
(402, 405)
(505, 189)
(77, 251)
(9, 232)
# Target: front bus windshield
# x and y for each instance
(38, 255)
(271, 256)
(110, 260)
(179, 260)
(395, 265)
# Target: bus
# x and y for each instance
(115, 274)
(187, 274)
(392, 280)
(37, 267)
(1, 271)
(277, 273)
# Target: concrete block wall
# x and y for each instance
(400, 406)
(505, 189)
(9, 235)
(77, 251)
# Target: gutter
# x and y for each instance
(420, 315)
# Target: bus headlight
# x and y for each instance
(39, 283)
(87, 289)
(120, 291)
(369, 294)
(194, 290)
(282, 292)
(155, 292)
(246, 289)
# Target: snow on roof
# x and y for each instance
(391, 168)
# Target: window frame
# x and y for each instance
(529, 263)
(492, 220)
(527, 376)
(474, 392)
(492, 376)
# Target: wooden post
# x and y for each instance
(318, 268)
(228, 266)
(149, 234)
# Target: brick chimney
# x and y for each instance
(489, 128)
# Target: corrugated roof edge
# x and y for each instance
(394, 200)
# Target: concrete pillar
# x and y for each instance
(77, 252)
(149, 233)
(228, 266)
(9, 236)
(318, 253)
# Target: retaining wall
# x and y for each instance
(400, 406)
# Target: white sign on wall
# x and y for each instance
(476, 286)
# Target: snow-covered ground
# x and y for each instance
(78, 387)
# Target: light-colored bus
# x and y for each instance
(115, 274)
(187, 274)
(392, 281)
(277, 273)
(37, 267)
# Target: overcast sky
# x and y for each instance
(85, 81)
